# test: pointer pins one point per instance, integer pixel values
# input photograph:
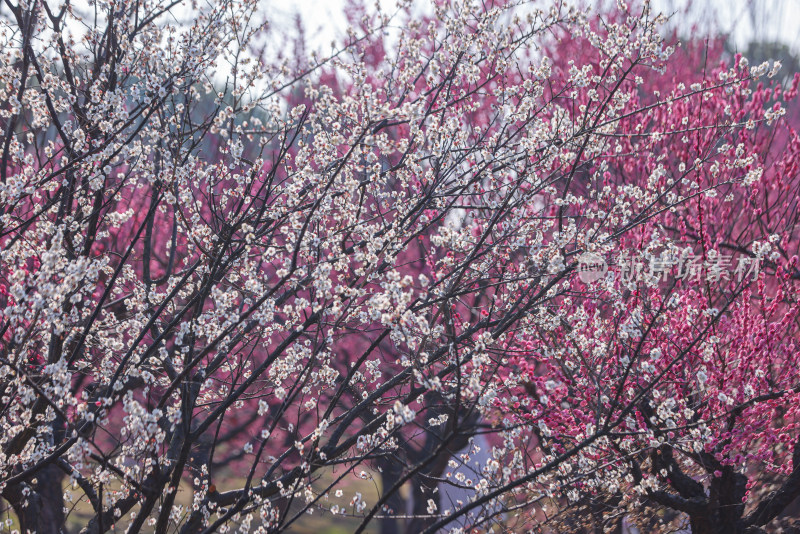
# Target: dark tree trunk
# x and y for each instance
(422, 487)
(391, 471)
(42, 509)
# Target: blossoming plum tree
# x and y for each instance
(230, 281)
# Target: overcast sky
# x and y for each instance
(773, 20)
